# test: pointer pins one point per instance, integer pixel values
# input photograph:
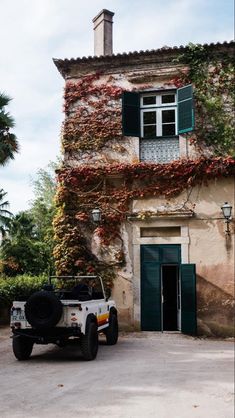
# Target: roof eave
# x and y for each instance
(64, 65)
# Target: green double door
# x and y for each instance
(168, 290)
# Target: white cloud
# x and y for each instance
(34, 32)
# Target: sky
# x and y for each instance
(33, 32)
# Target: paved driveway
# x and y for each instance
(144, 375)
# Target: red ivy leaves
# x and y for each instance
(86, 88)
(139, 181)
(96, 120)
(202, 167)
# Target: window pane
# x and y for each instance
(168, 129)
(168, 98)
(150, 131)
(168, 116)
(149, 117)
(149, 100)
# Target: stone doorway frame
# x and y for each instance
(137, 241)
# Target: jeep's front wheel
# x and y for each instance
(22, 347)
(111, 332)
(89, 342)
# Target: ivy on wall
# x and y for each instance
(213, 81)
(85, 187)
(93, 114)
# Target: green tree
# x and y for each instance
(5, 215)
(43, 208)
(22, 251)
(44, 185)
(28, 246)
(8, 142)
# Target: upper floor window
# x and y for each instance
(158, 114)
(151, 115)
(157, 118)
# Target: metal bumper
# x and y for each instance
(54, 335)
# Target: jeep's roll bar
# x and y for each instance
(79, 277)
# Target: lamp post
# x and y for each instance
(96, 215)
(227, 213)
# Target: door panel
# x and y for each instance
(152, 259)
(170, 254)
(188, 299)
(150, 253)
(150, 297)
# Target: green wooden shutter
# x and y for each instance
(130, 114)
(185, 109)
(150, 292)
(188, 299)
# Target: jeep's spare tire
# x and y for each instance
(43, 310)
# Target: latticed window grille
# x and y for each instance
(161, 150)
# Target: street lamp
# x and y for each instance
(96, 215)
(227, 213)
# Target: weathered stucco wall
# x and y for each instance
(203, 242)
(213, 253)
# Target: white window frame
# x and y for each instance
(158, 107)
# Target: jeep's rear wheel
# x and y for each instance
(89, 342)
(22, 347)
(111, 332)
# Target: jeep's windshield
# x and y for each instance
(78, 287)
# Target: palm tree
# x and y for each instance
(5, 215)
(8, 142)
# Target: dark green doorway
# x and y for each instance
(168, 290)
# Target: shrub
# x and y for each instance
(19, 288)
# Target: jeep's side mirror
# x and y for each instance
(107, 293)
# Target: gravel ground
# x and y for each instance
(145, 375)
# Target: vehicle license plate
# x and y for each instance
(18, 317)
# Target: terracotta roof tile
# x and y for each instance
(63, 64)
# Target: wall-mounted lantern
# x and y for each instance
(96, 215)
(227, 213)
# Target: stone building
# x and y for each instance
(139, 147)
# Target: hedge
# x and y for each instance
(19, 288)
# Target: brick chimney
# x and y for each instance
(103, 33)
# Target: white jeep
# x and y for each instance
(75, 308)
